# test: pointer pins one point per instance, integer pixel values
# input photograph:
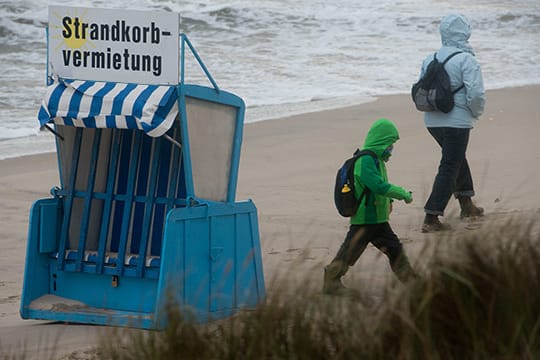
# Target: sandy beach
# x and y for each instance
(288, 168)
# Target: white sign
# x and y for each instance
(114, 45)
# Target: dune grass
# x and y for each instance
(478, 298)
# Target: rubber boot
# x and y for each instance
(468, 208)
(403, 269)
(332, 279)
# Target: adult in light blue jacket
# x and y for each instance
(451, 130)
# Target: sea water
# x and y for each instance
(282, 56)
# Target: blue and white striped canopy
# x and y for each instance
(151, 108)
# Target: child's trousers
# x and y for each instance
(383, 238)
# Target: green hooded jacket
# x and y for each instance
(375, 209)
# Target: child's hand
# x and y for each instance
(409, 198)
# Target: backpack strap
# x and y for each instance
(371, 153)
(444, 63)
(459, 88)
(451, 56)
(357, 154)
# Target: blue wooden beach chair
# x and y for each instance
(145, 213)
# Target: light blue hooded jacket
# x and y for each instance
(462, 69)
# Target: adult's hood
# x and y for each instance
(455, 31)
(382, 134)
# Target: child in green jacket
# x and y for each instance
(370, 223)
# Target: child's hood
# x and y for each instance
(382, 134)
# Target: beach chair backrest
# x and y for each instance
(117, 186)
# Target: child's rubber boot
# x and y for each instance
(332, 280)
(403, 269)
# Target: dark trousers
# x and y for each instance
(454, 175)
(383, 238)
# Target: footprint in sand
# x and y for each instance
(473, 226)
(10, 299)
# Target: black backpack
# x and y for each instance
(432, 92)
(344, 198)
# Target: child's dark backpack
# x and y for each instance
(344, 198)
(432, 92)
